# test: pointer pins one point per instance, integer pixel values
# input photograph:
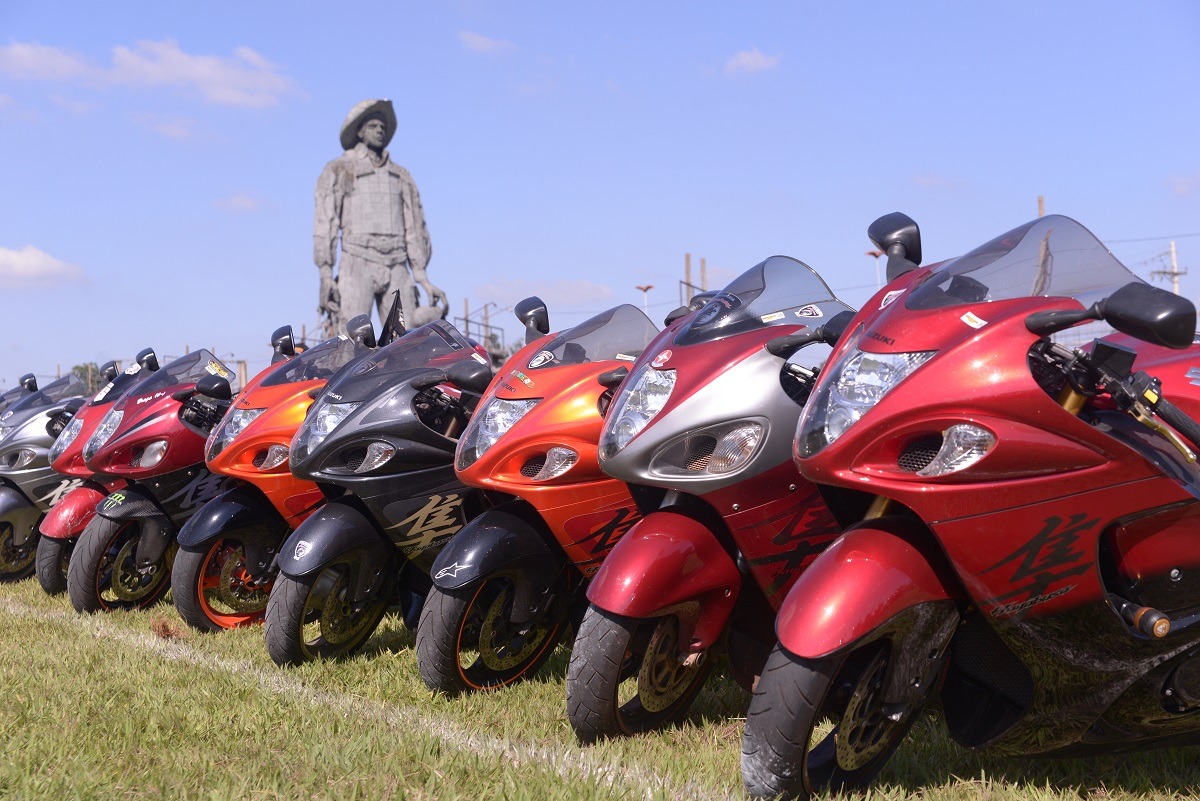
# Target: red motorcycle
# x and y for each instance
(67, 519)
(1021, 518)
(701, 430)
(154, 437)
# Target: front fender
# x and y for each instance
(875, 571)
(668, 561)
(242, 513)
(17, 510)
(69, 517)
(131, 503)
(333, 530)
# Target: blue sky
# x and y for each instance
(160, 158)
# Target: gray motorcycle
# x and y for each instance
(29, 487)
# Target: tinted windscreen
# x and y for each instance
(416, 348)
(69, 386)
(1049, 257)
(778, 291)
(186, 370)
(619, 333)
(317, 363)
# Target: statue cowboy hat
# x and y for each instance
(361, 113)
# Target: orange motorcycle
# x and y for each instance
(506, 585)
(226, 564)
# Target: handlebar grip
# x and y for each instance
(1047, 322)
(1176, 419)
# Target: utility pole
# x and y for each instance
(1172, 273)
(703, 275)
(876, 254)
(645, 293)
(687, 277)
(1041, 206)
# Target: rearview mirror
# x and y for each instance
(1151, 314)
(283, 344)
(533, 314)
(361, 331)
(29, 381)
(215, 387)
(898, 236)
(675, 314)
(108, 371)
(470, 375)
(147, 359)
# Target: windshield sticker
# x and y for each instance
(133, 368)
(970, 319)
(148, 398)
(544, 357)
(524, 379)
(365, 367)
(772, 317)
(661, 359)
(215, 368)
(478, 358)
(889, 297)
(810, 311)
(718, 306)
(625, 357)
(1193, 376)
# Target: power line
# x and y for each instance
(1151, 238)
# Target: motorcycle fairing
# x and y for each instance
(242, 513)
(133, 502)
(70, 516)
(337, 528)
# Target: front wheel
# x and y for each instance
(788, 747)
(53, 557)
(315, 617)
(104, 574)
(215, 590)
(16, 561)
(627, 676)
(465, 640)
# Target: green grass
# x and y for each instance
(135, 705)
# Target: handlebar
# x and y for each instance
(1176, 419)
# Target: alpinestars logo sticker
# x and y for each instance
(451, 571)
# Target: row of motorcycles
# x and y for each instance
(932, 502)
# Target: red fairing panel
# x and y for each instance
(871, 573)
(668, 559)
(70, 516)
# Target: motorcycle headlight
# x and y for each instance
(848, 390)
(319, 424)
(487, 425)
(102, 433)
(635, 407)
(559, 460)
(274, 457)
(23, 458)
(713, 451)
(963, 445)
(64, 440)
(234, 423)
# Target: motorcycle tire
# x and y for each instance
(103, 574)
(213, 590)
(16, 563)
(793, 697)
(309, 618)
(625, 676)
(465, 641)
(53, 557)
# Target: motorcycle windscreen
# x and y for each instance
(778, 291)
(1048, 257)
(69, 386)
(621, 333)
(432, 345)
(318, 363)
(187, 369)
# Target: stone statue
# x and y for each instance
(373, 203)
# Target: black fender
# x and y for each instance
(499, 543)
(335, 529)
(135, 504)
(242, 513)
(18, 510)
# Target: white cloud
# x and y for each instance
(244, 79)
(750, 61)
(241, 202)
(478, 43)
(1184, 185)
(170, 127)
(73, 106)
(567, 292)
(30, 266)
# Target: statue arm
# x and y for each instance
(416, 240)
(327, 219)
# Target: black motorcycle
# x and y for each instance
(379, 441)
